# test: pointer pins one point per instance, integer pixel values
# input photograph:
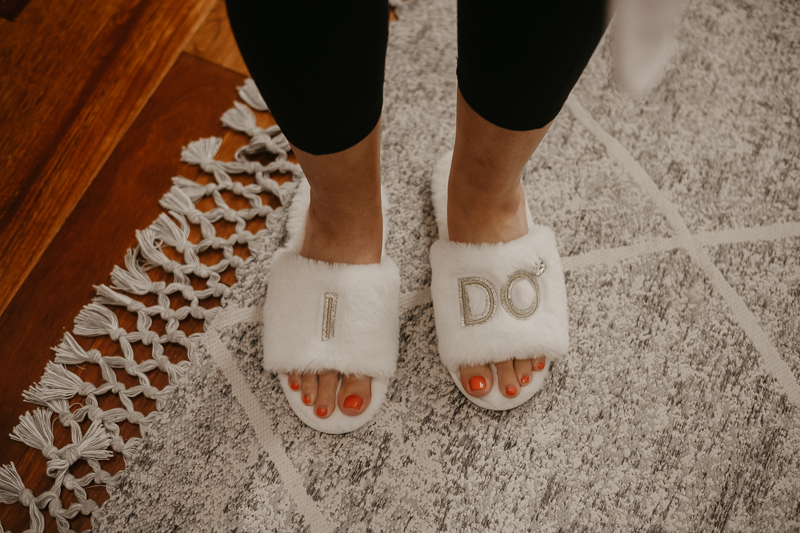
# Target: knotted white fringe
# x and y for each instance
(12, 490)
(59, 389)
(252, 96)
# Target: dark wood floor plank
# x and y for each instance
(214, 41)
(123, 197)
(75, 75)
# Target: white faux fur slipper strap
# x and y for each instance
(494, 302)
(322, 316)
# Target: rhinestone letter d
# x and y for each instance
(486, 287)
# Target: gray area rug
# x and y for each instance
(677, 408)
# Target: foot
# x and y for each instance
(339, 236)
(475, 216)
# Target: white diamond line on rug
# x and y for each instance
(259, 419)
(772, 360)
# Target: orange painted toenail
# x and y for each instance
(511, 391)
(321, 412)
(524, 379)
(540, 366)
(294, 386)
(306, 399)
(477, 383)
(353, 402)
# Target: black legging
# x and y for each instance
(320, 66)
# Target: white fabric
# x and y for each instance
(643, 41)
(504, 336)
(366, 325)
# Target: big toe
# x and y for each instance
(355, 394)
(477, 380)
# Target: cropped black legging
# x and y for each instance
(320, 66)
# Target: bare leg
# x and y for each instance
(344, 225)
(485, 203)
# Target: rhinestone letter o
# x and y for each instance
(508, 303)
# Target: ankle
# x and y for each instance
(356, 211)
(488, 200)
(344, 234)
(488, 217)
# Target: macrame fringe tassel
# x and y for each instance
(57, 383)
(241, 118)
(150, 247)
(35, 430)
(69, 352)
(193, 192)
(252, 96)
(171, 234)
(201, 152)
(12, 490)
(95, 320)
(95, 442)
(133, 278)
(108, 296)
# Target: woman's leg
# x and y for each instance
(518, 60)
(320, 71)
(318, 66)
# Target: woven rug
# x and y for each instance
(678, 220)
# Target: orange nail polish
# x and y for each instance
(477, 383)
(353, 402)
(306, 399)
(540, 366)
(524, 379)
(294, 386)
(511, 391)
(321, 412)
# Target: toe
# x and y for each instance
(507, 379)
(355, 394)
(523, 369)
(477, 380)
(294, 381)
(539, 363)
(308, 388)
(326, 395)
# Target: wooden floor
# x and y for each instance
(97, 99)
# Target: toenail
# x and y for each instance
(306, 399)
(511, 391)
(524, 379)
(477, 383)
(353, 402)
(294, 386)
(540, 366)
(321, 412)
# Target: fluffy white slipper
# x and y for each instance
(324, 316)
(494, 302)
